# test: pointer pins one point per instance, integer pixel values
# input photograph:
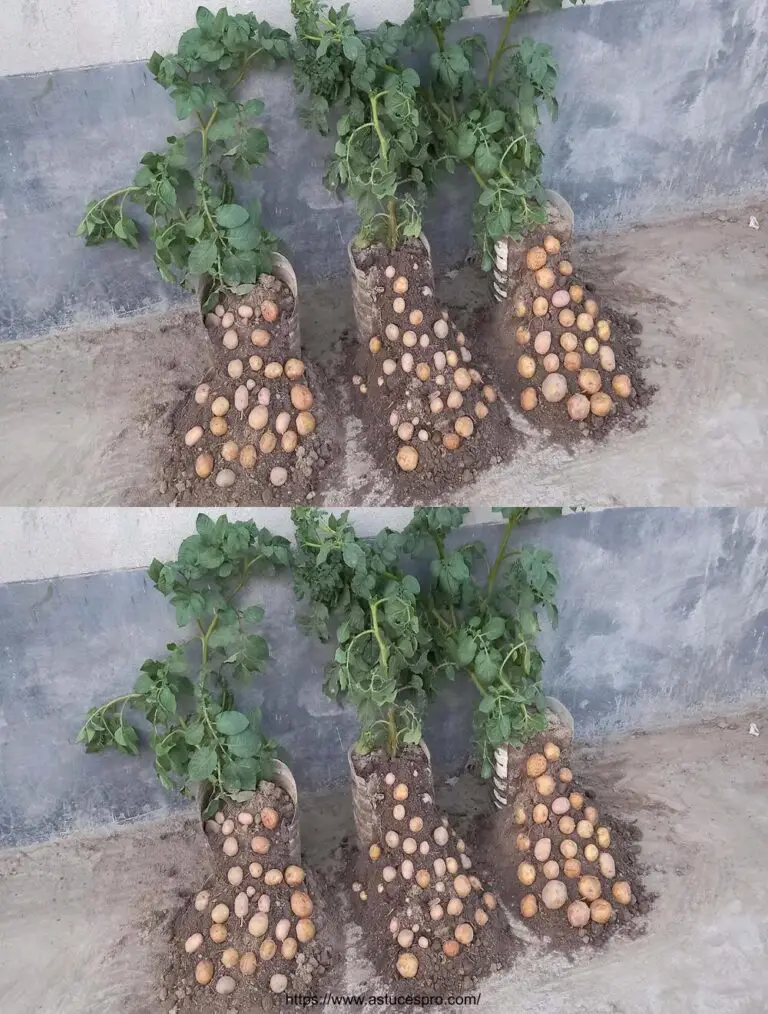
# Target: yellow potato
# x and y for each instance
(589, 381)
(204, 465)
(567, 317)
(600, 404)
(526, 366)
(464, 426)
(601, 911)
(407, 458)
(204, 971)
(528, 906)
(526, 873)
(305, 423)
(301, 397)
(536, 765)
(529, 399)
(536, 258)
(589, 888)
(622, 892)
(568, 341)
(407, 965)
(545, 278)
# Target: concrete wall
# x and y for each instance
(58, 34)
(664, 617)
(663, 109)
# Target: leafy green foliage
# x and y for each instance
(398, 639)
(355, 586)
(381, 157)
(186, 191)
(488, 120)
(196, 732)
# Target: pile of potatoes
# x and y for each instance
(272, 422)
(563, 849)
(445, 398)
(265, 908)
(435, 905)
(560, 333)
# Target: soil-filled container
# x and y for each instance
(368, 793)
(260, 925)
(566, 865)
(252, 431)
(282, 779)
(366, 300)
(427, 919)
(509, 772)
(508, 262)
(430, 414)
(283, 270)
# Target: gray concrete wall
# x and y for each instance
(664, 617)
(664, 109)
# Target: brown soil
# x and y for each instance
(385, 401)
(252, 485)
(500, 849)
(283, 841)
(376, 902)
(313, 959)
(498, 327)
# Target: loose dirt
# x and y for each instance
(411, 847)
(403, 388)
(87, 415)
(509, 332)
(259, 878)
(245, 350)
(85, 921)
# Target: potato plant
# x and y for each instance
(197, 734)
(483, 108)
(487, 627)
(399, 639)
(197, 226)
(381, 157)
(381, 665)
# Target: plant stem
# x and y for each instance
(117, 700)
(384, 148)
(391, 224)
(383, 651)
(493, 66)
(391, 732)
(477, 175)
(501, 555)
(377, 125)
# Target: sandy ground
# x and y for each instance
(82, 920)
(84, 415)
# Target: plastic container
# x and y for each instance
(282, 269)
(283, 778)
(364, 296)
(367, 796)
(508, 252)
(508, 760)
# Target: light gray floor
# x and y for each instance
(82, 921)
